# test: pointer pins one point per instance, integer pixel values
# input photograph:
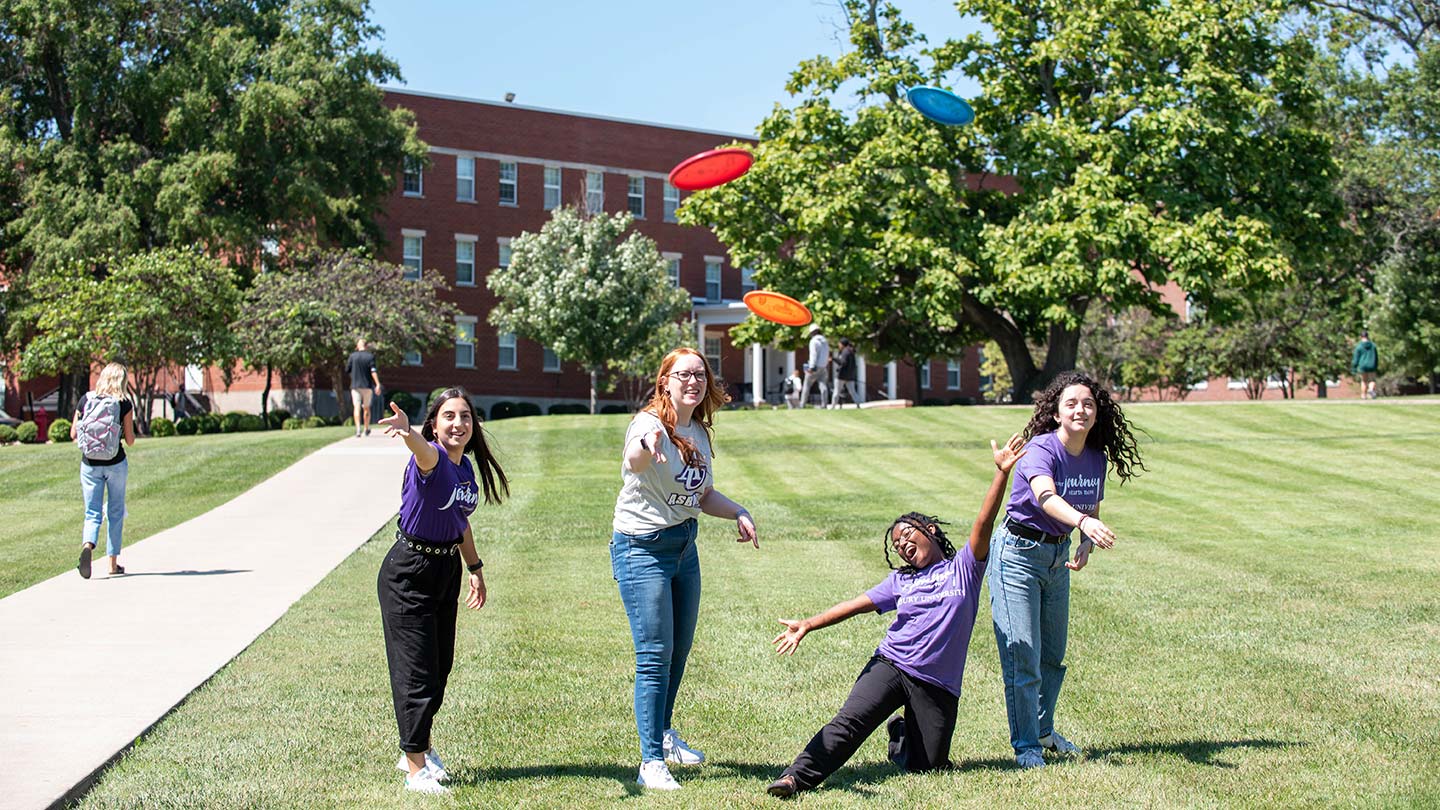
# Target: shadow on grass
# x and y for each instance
(187, 573)
(1199, 752)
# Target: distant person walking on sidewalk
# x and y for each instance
(666, 483)
(419, 581)
(1059, 484)
(817, 369)
(363, 378)
(1364, 362)
(845, 373)
(103, 417)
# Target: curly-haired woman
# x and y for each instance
(667, 483)
(1075, 428)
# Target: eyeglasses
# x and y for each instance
(687, 376)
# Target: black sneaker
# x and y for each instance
(84, 567)
(783, 788)
(895, 728)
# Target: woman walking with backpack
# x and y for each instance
(103, 416)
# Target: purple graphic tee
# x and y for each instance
(934, 614)
(1080, 480)
(437, 507)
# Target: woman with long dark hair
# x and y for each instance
(667, 483)
(419, 581)
(1075, 429)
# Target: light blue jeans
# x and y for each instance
(1030, 605)
(98, 484)
(659, 578)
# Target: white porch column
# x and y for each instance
(860, 376)
(890, 379)
(757, 374)
(700, 338)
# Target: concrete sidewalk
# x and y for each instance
(196, 596)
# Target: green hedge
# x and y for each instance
(527, 409)
(293, 423)
(407, 402)
(614, 409)
(59, 431)
(316, 422)
(504, 409)
(28, 432)
(160, 427)
(7, 434)
(568, 407)
(277, 418)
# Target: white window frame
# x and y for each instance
(464, 323)
(505, 341)
(412, 358)
(465, 239)
(1200, 386)
(635, 200)
(672, 201)
(747, 280)
(464, 192)
(416, 168)
(553, 194)
(502, 252)
(512, 183)
(924, 375)
(952, 370)
(412, 272)
(1235, 385)
(550, 361)
(594, 191)
(714, 266)
(713, 342)
(672, 266)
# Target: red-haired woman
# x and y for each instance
(667, 483)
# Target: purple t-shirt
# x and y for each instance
(437, 507)
(1080, 480)
(934, 614)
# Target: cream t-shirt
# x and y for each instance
(666, 493)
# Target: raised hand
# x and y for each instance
(789, 638)
(397, 423)
(1005, 457)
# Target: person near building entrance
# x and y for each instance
(363, 378)
(104, 417)
(666, 484)
(817, 370)
(792, 388)
(845, 373)
(1364, 362)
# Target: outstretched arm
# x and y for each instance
(1005, 458)
(398, 424)
(789, 639)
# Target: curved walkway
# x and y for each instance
(198, 594)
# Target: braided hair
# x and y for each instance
(921, 523)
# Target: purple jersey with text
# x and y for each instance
(437, 507)
(1080, 480)
(934, 614)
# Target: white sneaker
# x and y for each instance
(678, 751)
(424, 781)
(655, 775)
(432, 761)
(1030, 759)
(1056, 744)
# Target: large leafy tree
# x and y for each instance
(1151, 142)
(151, 311)
(593, 294)
(306, 316)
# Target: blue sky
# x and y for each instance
(712, 65)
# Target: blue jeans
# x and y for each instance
(659, 578)
(96, 483)
(1030, 604)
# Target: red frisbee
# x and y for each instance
(709, 169)
(777, 307)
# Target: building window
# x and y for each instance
(504, 245)
(465, 341)
(464, 260)
(672, 266)
(412, 358)
(413, 253)
(507, 350)
(952, 375)
(508, 194)
(552, 360)
(552, 188)
(747, 279)
(712, 278)
(924, 374)
(594, 191)
(414, 177)
(672, 201)
(712, 353)
(465, 179)
(1235, 384)
(635, 197)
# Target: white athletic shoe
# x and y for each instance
(424, 781)
(679, 752)
(432, 761)
(1030, 759)
(655, 775)
(1056, 744)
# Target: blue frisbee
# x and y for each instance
(940, 106)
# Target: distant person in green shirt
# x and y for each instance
(1364, 362)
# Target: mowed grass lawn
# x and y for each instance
(171, 480)
(1266, 633)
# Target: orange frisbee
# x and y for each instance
(777, 307)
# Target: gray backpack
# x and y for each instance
(98, 431)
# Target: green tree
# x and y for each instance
(584, 288)
(151, 311)
(1153, 142)
(307, 316)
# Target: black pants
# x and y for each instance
(419, 598)
(881, 689)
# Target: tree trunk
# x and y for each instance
(1322, 391)
(337, 382)
(919, 392)
(1011, 342)
(593, 379)
(72, 386)
(265, 397)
